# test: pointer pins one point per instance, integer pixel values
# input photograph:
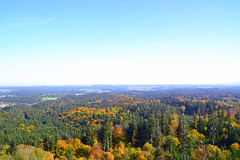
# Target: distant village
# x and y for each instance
(4, 105)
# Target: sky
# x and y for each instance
(86, 42)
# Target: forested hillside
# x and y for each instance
(179, 124)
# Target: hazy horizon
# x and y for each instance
(91, 85)
(124, 42)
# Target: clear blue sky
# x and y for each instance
(60, 42)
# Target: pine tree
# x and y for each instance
(69, 154)
(151, 128)
(159, 153)
(57, 154)
(132, 130)
(107, 138)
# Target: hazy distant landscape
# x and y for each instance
(120, 122)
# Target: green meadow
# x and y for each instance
(49, 98)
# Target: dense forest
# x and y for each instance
(153, 123)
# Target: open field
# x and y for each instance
(49, 98)
(4, 90)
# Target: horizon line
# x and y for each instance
(75, 85)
